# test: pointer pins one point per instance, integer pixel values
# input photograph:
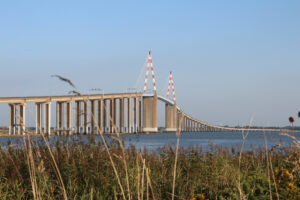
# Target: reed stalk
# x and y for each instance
(176, 155)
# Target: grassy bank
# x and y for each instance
(87, 172)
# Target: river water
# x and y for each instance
(200, 140)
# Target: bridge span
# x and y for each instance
(106, 113)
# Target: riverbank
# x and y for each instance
(89, 171)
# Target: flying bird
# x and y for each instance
(65, 80)
(75, 92)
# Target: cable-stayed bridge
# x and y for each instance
(107, 113)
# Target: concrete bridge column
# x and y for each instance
(19, 119)
(205, 128)
(85, 117)
(129, 115)
(114, 116)
(186, 124)
(111, 115)
(68, 112)
(100, 116)
(59, 117)
(77, 117)
(150, 117)
(134, 115)
(140, 115)
(92, 116)
(171, 118)
(22, 118)
(121, 115)
(194, 126)
(12, 119)
(105, 111)
(183, 124)
(47, 118)
(38, 118)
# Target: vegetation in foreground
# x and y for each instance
(86, 173)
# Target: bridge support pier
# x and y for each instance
(16, 119)
(121, 115)
(140, 128)
(77, 117)
(134, 115)
(47, 118)
(59, 117)
(129, 115)
(12, 119)
(92, 116)
(22, 119)
(69, 118)
(105, 115)
(114, 116)
(171, 118)
(111, 115)
(150, 116)
(38, 118)
(100, 116)
(85, 117)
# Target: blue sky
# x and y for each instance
(231, 59)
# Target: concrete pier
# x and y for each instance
(150, 114)
(92, 116)
(47, 118)
(99, 116)
(22, 119)
(77, 117)
(134, 115)
(38, 118)
(121, 115)
(171, 118)
(129, 115)
(85, 117)
(105, 112)
(114, 116)
(140, 127)
(69, 118)
(16, 119)
(110, 118)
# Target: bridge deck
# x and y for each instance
(65, 98)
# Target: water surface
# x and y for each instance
(203, 140)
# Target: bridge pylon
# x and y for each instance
(171, 82)
(150, 66)
(171, 114)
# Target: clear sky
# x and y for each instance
(231, 59)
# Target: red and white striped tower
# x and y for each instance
(171, 81)
(150, 66)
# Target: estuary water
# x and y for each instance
(199, 140)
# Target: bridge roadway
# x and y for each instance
(107, 113)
